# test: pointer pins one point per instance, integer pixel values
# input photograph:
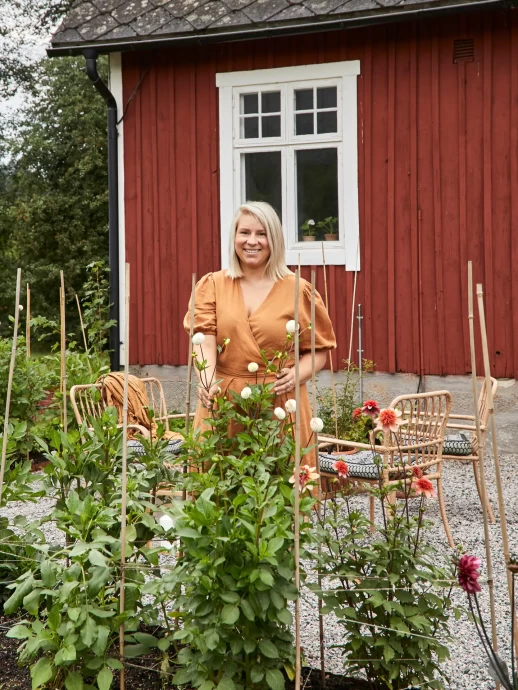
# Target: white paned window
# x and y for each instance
(289, 136)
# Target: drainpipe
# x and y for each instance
(113, 205)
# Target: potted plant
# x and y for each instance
(329, 227)
(308, 230)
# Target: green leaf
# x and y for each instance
(247, 609)
(230, 597)
(266, 577)
(226, 683)
(41, 672)
(74, 681)
(89, 632)
(131, 651)
(188, 533)
(96, 558)
(268, 649)
(100, 644)
(48, 573)
(131, 533)
(105, 678)
(256, 673)
(65, 655)
(211, 639)
(19, 632)
(229, 614)
(146, 639)
(275, 679)
(100, 576)
(285, 617)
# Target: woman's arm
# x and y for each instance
(207, 389)
(286, 377)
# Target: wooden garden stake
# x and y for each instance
(124, 472)
(85, 341)
(496, 457)
(10, 379)
(28, 323)
(335, 404)
(189, 371)
(481, 461)
(63, 353)
(296, 516)
(319, 497)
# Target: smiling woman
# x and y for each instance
(251, 303)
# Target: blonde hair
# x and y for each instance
(265, 214)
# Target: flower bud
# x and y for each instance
(279, 413)
(198, 339)
(246, 393)
(291, 327)
(20, 307)
(253, 367)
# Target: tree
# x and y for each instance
(54, 200)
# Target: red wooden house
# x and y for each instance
(397, 119)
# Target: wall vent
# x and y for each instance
(463, 50)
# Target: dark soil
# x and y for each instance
(139, 675)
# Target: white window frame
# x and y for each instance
(344, 251)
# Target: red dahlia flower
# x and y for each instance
(342, 468)
(371, 408)
(468, 574)
(423, 486)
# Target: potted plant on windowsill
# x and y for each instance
(308, 230)
(329, 226)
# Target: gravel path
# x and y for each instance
(468, 665)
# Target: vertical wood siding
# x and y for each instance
(438, 185)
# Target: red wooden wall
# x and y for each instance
(438, 178)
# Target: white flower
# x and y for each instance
(291, 326)
(20, 307)
(246, 393)
(198, 339)
(316, 425)
(279, 413)
(253, 367)
(311, 222)
(291, 405)
(166, 522)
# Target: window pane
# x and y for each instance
(250, 127)
(326, 122)
(249, 103)
(271, 102)
(317, 187)
(304, 124)
(263, 178)
(326, 97)
(304, 99)
(271, 126)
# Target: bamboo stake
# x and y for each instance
(496, 457)
(319, 497)
(189, 372)
(333, 388)
(63, 353)
(10, 379)
(481, 462)
(85, 341)
(297, 483)
(28, 323)
(124, 472)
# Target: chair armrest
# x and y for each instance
(468, 417)
(180, 415)
(139, 427)
(465, 427)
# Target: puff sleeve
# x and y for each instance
(324, 334)
(204, 307)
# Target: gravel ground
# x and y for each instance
(467, 668)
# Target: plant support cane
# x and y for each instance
(28, 323)
(296, 517)
(85, 341)
(10, 379)
(124, 472)
(319, 498)
(189, 372)
(63, 353)
(481, 460)
(496, 457)
(333, 388)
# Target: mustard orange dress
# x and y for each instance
(220, 310)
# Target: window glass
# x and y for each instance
(249, 103)
(263, 178)
(271, 102)
(317, 190)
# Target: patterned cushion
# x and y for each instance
(138, 449)
(457, 444)
(361, 465)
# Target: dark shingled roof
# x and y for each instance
(123, 24)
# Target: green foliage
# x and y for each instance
(349, 427)
(388, 592)
(54, 200)
(96, 307)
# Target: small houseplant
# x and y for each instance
(329, 226)
(308, 230)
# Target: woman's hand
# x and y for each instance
(206, 397)
(285, 383)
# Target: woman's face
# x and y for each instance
(251, 242)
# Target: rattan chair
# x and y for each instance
(464, 444)
(417, 443)
(87, 403)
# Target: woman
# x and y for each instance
(251, 303)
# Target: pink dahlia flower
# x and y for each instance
(468, 574)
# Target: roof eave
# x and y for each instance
(262, 31)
